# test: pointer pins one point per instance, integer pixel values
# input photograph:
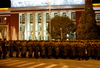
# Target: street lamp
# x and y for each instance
(49, 5)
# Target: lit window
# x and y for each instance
(5, 19)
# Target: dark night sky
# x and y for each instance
(7, 4)
(95, 1)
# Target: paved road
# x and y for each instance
(47, 63)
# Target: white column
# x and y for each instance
(36, 25)
(33, 26)
(19, 28)
(61, 14)
(52, 14)
(69, 14)
(27, 26)
(43, 32)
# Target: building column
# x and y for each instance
(43, 32)
(33, 33)
(27, 26)
(35, 26)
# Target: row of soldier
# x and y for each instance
(57, 49)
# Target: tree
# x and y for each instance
(87, 28)
(61, 26)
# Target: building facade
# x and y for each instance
(29, 20)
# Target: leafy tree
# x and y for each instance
(61, 25)
(87, 28)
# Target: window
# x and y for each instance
(3, 20)
(23, 18)
(31, 18)
(47, 17)
(73, 16)
(97, 17)
(39, 18)
(64, 14)
(56, 14)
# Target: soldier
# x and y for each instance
(68, 49)
(30, 49)
(49, 49)
(95, 50)
(36, 49)
(73, 50)
(43, 50)
(76, 50)
(63, 50)
(11, 44)
(83, 51)
(98, 49)
(18, 46)
(0, 49)
(56, 49)
(80, 50)
(33, 47)
(92, 50)
(24, 49)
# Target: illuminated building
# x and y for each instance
(30, 17)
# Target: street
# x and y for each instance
(47, 63)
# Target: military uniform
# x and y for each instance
(11, 49)
(56, 50)
(80, 50)
(30, 49)
(18, 46)
(98, 51)
(73, 50)
(49, 49)
(43, 50)
(36, 50)
(92, 50)
(0, 49)
(24, 49)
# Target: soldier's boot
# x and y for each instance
(82, 57)
(79, 58)
(43, 56)
(98, 58)
(49, 56)
(65, 57)
(30, 55)
(10, 55)
(4, 56)
(36, 56)
(73, 57)
(0, 54)
(57, 57)
(17, 55)
(24, 55)
(86, 58)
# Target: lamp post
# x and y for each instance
(49, 6)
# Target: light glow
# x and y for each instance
(96, 5)
(4, 9)
(31, 3)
